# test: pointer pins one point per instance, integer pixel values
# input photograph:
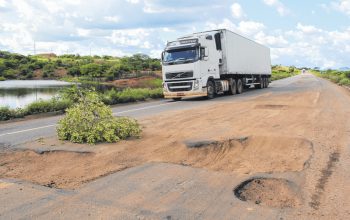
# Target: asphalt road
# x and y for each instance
(16, 133)
(172, 191)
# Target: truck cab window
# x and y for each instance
(183, 55)
(202, 52)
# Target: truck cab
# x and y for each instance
(188, 63)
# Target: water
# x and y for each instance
(19, 93)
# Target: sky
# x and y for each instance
(312, 33)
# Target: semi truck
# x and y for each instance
(209, 63)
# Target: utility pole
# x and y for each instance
(34, 49)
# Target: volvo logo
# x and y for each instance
(178, 75)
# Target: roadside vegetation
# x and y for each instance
(336, 76)
(76, 67)
(66, 99)
(90, 121)
(135, 78)
(281, 72)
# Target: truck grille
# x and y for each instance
(179, 75)
(180, 86)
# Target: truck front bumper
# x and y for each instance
(189, 94)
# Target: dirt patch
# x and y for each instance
(245, 155)
(242, 155)
(141, 82)
(270, 192)
(58, 169)
(230, 137)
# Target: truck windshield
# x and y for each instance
(183, 55)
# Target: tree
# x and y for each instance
(74, 71)
(291, 69)
(49, 70)
(91, 69)
(117, 70)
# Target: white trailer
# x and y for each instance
(214, 62)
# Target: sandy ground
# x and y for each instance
(303, 132)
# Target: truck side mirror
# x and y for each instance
(162, 56)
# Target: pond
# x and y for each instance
(19, 93)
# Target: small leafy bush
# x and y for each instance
(6, 113)
(347, 74)
(344, 82)
(43, 106)
(130, 95)
(91, 121)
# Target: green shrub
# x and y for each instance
(130, 95)
(43, 106)
(347, 74)
(2, 78)
(91, 121)
(6, 113)
(344, 82)
(74, 71)
(49, 69)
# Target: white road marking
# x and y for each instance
(30, 129)
(138, 109)
(52, 125)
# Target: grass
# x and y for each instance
(281, 72)
(41, 106)
(110, 97)
(338, 77)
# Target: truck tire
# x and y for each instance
(267, 82)
(210, 89)
(177, 99)
(264, 82)
(239, 86)
(233, 87)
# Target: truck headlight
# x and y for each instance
(196, 84)
(165, 87)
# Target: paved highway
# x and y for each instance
(14, 133)
(306, 108)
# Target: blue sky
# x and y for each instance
(303, 33)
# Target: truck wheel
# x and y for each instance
(210, 89)
(264, 82)
(177, 99)
(239, 86)
(233, 87)
(267, 82)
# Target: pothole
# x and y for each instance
(253, 154)
(269, 192)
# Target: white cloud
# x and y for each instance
(308, 29)
(124, 27)
(131, 37)
(133, 1)
(342, 6)
(270, 40)
(247, 28)
(237, 11)
(250, 27)
(280, 7)
(114, 19)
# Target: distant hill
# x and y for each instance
(344, 68)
